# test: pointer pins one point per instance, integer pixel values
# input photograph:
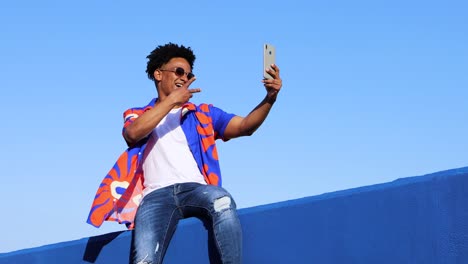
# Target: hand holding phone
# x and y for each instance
(269, 57)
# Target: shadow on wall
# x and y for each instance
(119, 243)
(95, 245)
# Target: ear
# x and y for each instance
(157, 75)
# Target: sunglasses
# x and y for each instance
(181, 72)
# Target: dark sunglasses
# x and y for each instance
(181, 72)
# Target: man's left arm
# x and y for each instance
(246, 126)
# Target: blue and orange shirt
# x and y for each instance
(120, 192)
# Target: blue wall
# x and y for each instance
(412, 220)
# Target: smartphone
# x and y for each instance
(269, 55)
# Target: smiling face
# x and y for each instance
(166, 78)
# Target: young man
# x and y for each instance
(171, 169)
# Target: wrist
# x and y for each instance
(270, 99)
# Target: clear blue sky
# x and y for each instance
(373, 91)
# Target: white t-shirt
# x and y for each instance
(167, 158)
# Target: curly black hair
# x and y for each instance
(164, 53)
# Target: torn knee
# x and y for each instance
(144, 261)
(222, 203)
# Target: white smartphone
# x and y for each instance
(269, 55)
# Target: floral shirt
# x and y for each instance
(120, 192)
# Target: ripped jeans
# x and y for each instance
(161, 210)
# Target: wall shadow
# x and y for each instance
(95, 245)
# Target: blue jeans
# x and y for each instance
(161, 210)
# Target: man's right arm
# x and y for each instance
(139, 127)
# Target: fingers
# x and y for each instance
(276, 68)
(194, 90)
(274, 71)
(272, 81)
(190, 81)
(275, 83)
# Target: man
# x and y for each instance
(171, 169)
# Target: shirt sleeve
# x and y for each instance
(130, 115)
(220, 121)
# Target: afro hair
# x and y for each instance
(164, 53)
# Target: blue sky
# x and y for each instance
(372, 91)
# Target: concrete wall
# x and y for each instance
(412, 220)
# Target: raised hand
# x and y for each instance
(182, 94)
(273, 86)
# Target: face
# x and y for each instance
(168, 78)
